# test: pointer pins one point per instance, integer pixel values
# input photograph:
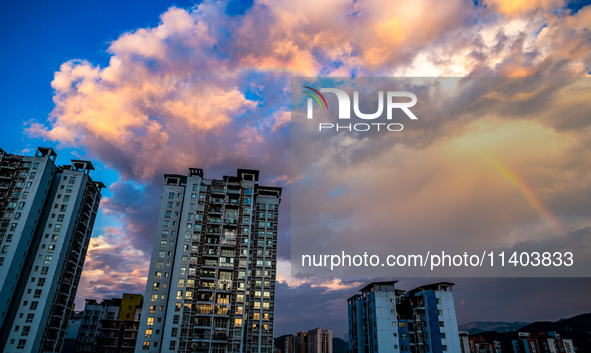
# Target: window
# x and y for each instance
(161, 254)
(402, 324)
(57, 227)
(37, 293)
(172, 345)
(34, 305)
(154, 297)
(152, 309)
(443, 335)
(179, 294)
(441, 324)
(21, 343)
(51, 248)
(157, 275)
(72, 180)
(150, 321)
(69, 189)
(171, 195)
(25, 331)
(393, 311)
(48, 259)
(175, 320)
(148, 333)
(444, 347)
(156, 286)
(30, 318)
(54, 237)
(438, 300)
(41, 282)
(66, 198)
(146, 345)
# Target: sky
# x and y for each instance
(147, 88)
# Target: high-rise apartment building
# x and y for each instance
(320, 341)
(313, 341)
(47, 214)
(211, 283)
(383, 319)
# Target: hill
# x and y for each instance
(483, 326)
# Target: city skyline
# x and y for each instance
(140, 49)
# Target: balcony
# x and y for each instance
(218, 191)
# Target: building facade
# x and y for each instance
(320, 341)
(312, 341)
(211, 282)
(384, 319)
(46, 218)
(110, 326)
(550, 342)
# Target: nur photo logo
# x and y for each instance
(344, 109)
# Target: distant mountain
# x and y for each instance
(577, 328)
(339, 346)
(279, 342)
(482, 326)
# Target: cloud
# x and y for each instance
(113, 266)
(513, 8)
(485, 167)
(205, 89)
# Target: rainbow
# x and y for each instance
(528, 193)
(315, 96)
